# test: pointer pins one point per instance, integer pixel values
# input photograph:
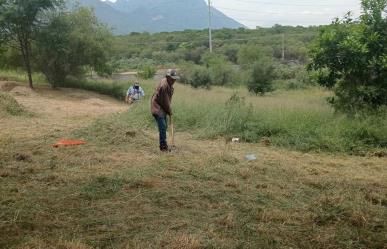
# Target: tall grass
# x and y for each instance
(299, 120)
(21, 76)
(107, 87)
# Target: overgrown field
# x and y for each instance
(118, 191)
(295, 119)
(298, 120)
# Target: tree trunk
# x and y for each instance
(25, 50)
(28, 65)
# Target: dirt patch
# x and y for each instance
(22, 91)
(55, 109)
(94, 101)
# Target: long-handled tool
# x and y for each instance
(172, 130)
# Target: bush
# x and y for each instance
(200, 77)
(147, 72)
(261, 77)
(194, 55)
(285, 71)
(231, 52)
(222, 74)
(221, 71)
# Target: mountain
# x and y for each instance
(126, 16)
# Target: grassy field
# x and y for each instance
(298, 120)
(118, 191)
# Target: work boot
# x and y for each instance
(164, 148)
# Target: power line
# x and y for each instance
(209, 25)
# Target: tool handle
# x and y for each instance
(172, 130)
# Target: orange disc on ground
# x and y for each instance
(65, 142)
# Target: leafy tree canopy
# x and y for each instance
(350, 56)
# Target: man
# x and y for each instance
(135, 93)
(161, 105)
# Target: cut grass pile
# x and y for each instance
(119, 192)
(9, 106)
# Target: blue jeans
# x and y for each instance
(162, 124)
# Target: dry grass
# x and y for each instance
(118, 191)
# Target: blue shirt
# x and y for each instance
(135, 94)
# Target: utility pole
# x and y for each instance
(209, 25)
(283, 47)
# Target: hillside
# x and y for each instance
(126, 16)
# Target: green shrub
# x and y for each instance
(194, 55)
(261, 77)
(196, 76)
(147, 72)
(231, 52)
(70, 43)
(222, 74)
(221, 71)
(249, 54)
(285, 71)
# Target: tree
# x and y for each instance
(351, 57)
(19, 21)
(261, 77)
(70, 43)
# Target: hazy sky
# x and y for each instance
(266, 13)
